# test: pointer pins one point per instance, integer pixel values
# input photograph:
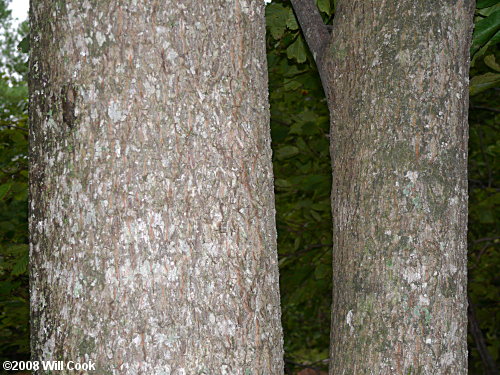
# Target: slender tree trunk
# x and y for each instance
(396, 74)
(153, 243)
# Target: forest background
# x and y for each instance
(300, 140)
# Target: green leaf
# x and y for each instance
(297, 51)
(291, 85)
(298, 296)
(282, 183)
(483, 82)
(324, 6)
(485, 29)
(486, 215)
(485, 48)
(315, 216)
(21, 266)
(487, 11)
(296, 128)
(490, 61)
(311, 182)
(278, 133)
(302, 145)
(308, 116)
(485, 3)
(286, 152)
(322, 271)
(4, 189)
(276, 18)
(24, 45)
(291, 21)
(15, 250)
(296, 243)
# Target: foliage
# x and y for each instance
(14, 297)
(485, 40)
(484, 188)
(300, 135)
(484, 211)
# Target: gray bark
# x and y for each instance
(153, 243)
(397, 87)
(315, 32)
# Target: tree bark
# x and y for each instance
(313, 28)
(397, 88)
(153, 242)
(398, 100)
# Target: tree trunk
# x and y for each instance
(396, 74)
(153, 243)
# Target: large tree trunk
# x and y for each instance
(396, 77)
(152, 212)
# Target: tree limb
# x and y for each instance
(313, 28)
(311, 366)
(307, 249)
(486, 239)
(14, 127)
(485, 108)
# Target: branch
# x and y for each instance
(313, 28)
(307, 249)
(311, 366)
(485, 108)
(14, 127)
(488, 362)
(485, 239)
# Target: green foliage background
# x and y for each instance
(300, 135)
(14, 296)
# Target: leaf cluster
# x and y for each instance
(485, 59)
(484, 186)
(484, 214)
